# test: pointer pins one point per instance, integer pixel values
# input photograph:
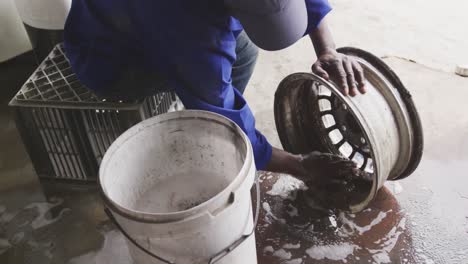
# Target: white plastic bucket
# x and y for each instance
(179, 185)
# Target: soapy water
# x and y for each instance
(282, 254)
(339, 251)
(394, 187)
(387, 243)
(294, 261)
(292, 246)
(4, 245)
(22, 224)
(269, 217)
(332, 250)
(43, 209)
(286, 187)
(342, 225)
(113, 250)
(349, 227)
(268, 249)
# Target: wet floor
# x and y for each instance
(422, 219)
(41, 223)
(290, 232)
(42, 226)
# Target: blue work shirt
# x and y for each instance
(190, 42)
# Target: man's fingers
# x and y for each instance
(352, 84)
(343, 163)
(317, 69)
(359, 76)
(341, 75)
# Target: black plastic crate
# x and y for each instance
(66, 128)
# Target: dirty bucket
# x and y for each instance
(380, 131)
(178, 186)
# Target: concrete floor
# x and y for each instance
(422, 219)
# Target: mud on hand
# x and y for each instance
(334, 181)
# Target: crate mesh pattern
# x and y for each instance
(54, 81)
(66, 128)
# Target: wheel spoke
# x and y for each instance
(339, 144)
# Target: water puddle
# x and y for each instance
(43, 209)
(23, 228)
(386, 244)
(349, 227)
(297, 233)
(113, 250)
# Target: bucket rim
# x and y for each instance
(207, 205)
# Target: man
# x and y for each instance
(119, 48)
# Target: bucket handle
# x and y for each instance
(215, 258)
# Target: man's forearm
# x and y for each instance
(285, 162)
(322, 39)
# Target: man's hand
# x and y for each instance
(334, 182)
(343, 70)
(331, 65)
(316, 167)
(330, 168)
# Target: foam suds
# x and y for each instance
(394, 187)
(387, 243)
(282, 254)
(17, 238)
(294, 261)
(332, 221)
(268, 249)
(269, 215)
(350, 227)
(35, 215)
(7, 217)
(43, 209)
(48, 253)
(4, 245)
(292, 246)
(265, 175)
(2, 209)
(114, 250)
(285, 186)
(332, 252)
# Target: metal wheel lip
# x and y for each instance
(392, 77)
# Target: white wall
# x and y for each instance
(13, 37)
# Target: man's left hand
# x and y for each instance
(343, 70)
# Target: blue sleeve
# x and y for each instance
(316, 11)
(235, 108)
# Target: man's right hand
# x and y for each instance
(333, 180)
(327, 167)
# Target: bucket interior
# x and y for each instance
(173, 165)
